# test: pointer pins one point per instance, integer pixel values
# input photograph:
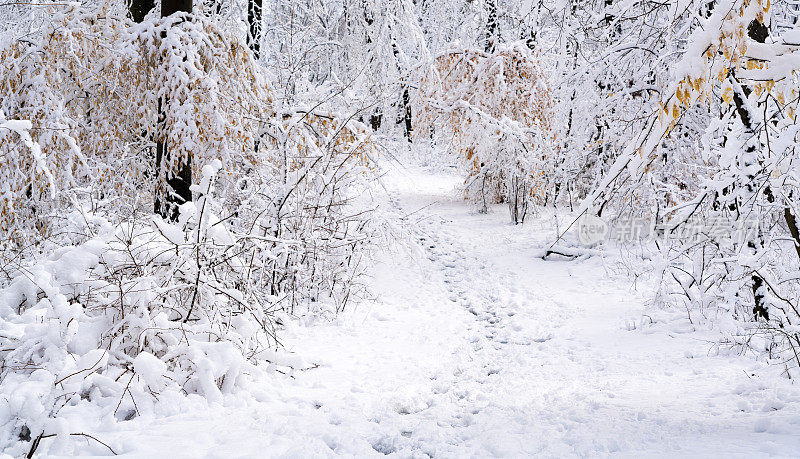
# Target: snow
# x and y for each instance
(151, 368)
(477, 347)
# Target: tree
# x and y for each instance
(404, 117)
(178, 183)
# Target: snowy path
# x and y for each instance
(476, 348)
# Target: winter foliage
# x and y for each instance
(493, 110)
(174, 190)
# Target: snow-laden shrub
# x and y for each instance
(147, 309)
(147, 306)
(141, 308)
(492, 111)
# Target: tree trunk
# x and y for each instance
(254, 21)
(406, 117)
(140, 8)
(405, 100)
(758, 32)
(177, 190)
(376, 118)
(168, 7)
(491, 27)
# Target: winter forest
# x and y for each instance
(416, 228)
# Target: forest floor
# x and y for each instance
(476, 347)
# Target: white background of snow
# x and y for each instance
(555, 359)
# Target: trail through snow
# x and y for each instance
(477, 348)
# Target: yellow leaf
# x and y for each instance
(727, 95)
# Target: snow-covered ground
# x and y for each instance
(475, 347)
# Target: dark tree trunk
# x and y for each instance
(254, 20)
(177, 190)
(609, 18)
(168, 7)
(375, 120)
(405, 100)
(491, 26)
(758, 32)
(140, 8)
(407, 113)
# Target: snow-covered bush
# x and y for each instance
(492, 111)
(146, 306)
(142, 307)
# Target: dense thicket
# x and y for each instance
(109, 303)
